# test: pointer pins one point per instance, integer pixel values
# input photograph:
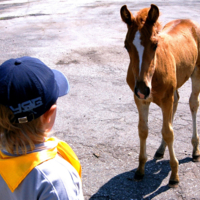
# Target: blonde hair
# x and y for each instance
(15, 137)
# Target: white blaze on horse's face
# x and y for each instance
(139, 47)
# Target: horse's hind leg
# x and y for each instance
(194, 104)
(161, 150)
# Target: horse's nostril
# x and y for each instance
(139, 94)
(147, 92)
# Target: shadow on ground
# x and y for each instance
(123, 185)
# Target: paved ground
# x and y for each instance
(84, 39)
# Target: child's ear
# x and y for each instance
(46, 117)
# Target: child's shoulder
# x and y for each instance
(57, 166)
(55, 176)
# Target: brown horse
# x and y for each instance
(161, 61)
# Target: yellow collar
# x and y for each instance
(14, 169)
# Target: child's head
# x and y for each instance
(28, 93)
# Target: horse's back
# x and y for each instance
(178, 25)
(183, 31)
(182, 37)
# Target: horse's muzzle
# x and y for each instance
(141, 90)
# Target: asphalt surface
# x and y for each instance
(98, 118)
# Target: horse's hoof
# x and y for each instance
(158, 156)
(196, 158)
(138, 176)
(173, 184)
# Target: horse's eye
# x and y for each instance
(155, 46)
(126, 48)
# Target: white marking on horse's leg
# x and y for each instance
(194, 104)
(139, 47)
(194, 135)
(143, 110)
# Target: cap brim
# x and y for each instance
(62, 82)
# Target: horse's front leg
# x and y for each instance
(161, 150)
(143, 109)
(168, 136)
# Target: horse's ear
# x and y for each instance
(126, 15)
(153, 14)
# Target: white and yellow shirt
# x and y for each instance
(51, 172)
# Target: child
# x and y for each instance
(32, 166)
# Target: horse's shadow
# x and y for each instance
(123, 185)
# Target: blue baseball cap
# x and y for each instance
(29, 88)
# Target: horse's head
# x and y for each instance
(141, 43)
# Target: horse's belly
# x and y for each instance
(183, 73)
(185, 63)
